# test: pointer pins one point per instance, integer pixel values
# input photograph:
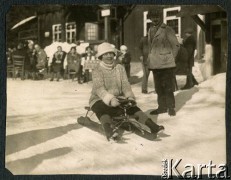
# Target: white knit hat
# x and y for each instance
(105, 48)
(123, 48)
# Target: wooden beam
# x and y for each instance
(129, 12)
(198, 20)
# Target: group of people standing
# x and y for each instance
(78, 65)
(35, 59)
(81, 65)
(36, 62)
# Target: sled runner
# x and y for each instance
(120, 123)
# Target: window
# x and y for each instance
(70, 32)
(91, 32)
(173, 21)
(146, 23)
(56, 29)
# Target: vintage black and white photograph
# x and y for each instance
(109, 89)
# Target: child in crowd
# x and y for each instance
(125, 59)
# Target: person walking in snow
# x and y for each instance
(163, 48)
(109, 82)
(189, 44)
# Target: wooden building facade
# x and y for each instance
(126, 25)
(208, 21)
(74, 23)
(134, 31)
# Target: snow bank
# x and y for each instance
(52, 48)
(206, 67)
(139, 74)
(47, 132)
(217, 83)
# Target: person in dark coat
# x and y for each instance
(189, 44)
(21, 51)
(163, 48)
(41, 62)
(32, 56)
(74, 62)
(57, 63)
(143, 46)
(125, 59)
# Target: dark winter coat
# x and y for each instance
(190, 45)
(57, 61)
(31, 54)
(182, 67)
(126, 60)
(73, 62)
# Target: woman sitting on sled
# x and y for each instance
(109, 82)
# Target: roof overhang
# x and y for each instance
(198, 9)
(23, 22)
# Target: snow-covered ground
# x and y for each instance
(42, 136)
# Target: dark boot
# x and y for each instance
(108, 130)
(194, 80)
(171, 112)
(153, 126)
(52, 77)
(106, 122)
(144, 91)
(158, 111)
(189, 83)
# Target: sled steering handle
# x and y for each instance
(126, 102)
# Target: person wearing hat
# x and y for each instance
(125, 59)
(163, 48)
(109, 82)
(189, 43)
